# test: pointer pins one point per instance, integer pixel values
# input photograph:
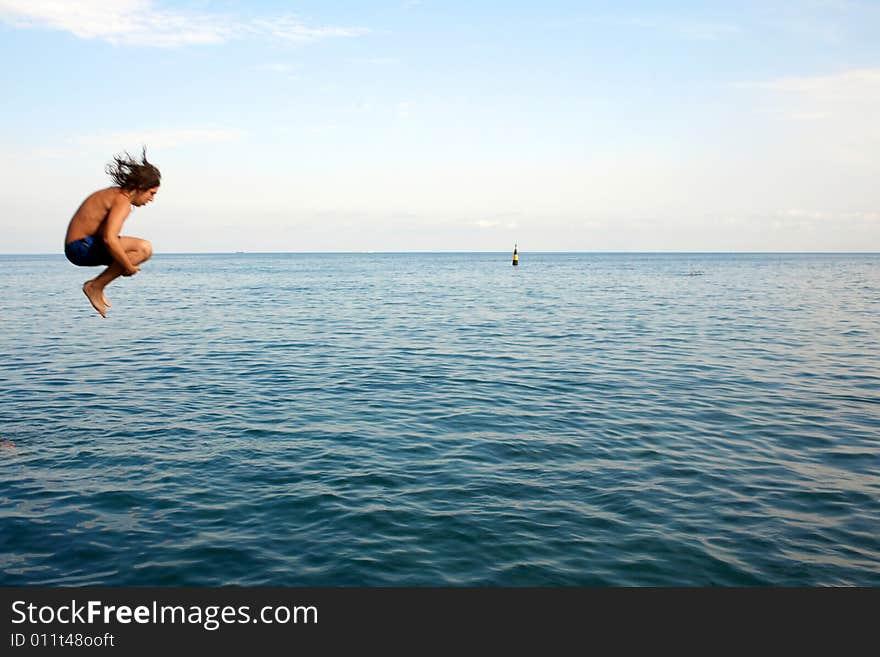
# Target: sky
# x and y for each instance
(448, 126)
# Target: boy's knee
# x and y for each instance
(146, 249)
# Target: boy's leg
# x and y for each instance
(138, 250)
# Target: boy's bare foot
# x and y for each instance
(105, 300)
(95, 296)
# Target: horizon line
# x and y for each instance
(456, 251)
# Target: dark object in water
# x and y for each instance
(515, 256)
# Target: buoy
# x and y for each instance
(515, 256)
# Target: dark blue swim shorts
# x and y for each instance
(88, 252)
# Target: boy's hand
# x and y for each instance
(131, 272)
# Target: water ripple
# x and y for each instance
(444, 420)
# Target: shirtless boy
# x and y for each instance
(93, 233)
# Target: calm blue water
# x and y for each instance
(443, 419)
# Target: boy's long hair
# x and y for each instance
(130, 174)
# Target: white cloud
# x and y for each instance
(159, 138)
(142, 23)
(373, 61)
(688, 29)
(496, 223)
(808, 116)
(288, 71)
(290, 29)
(798, 214)
(831, 116)
(277, 67)
(848, 86)
(849, 95)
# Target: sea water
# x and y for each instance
(443, 419)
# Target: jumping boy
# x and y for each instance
(93, 233)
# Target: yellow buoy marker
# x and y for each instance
(515, 256)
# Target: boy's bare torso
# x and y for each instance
(92, 212)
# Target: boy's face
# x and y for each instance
(142, 197)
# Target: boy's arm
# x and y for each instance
(119, 211)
